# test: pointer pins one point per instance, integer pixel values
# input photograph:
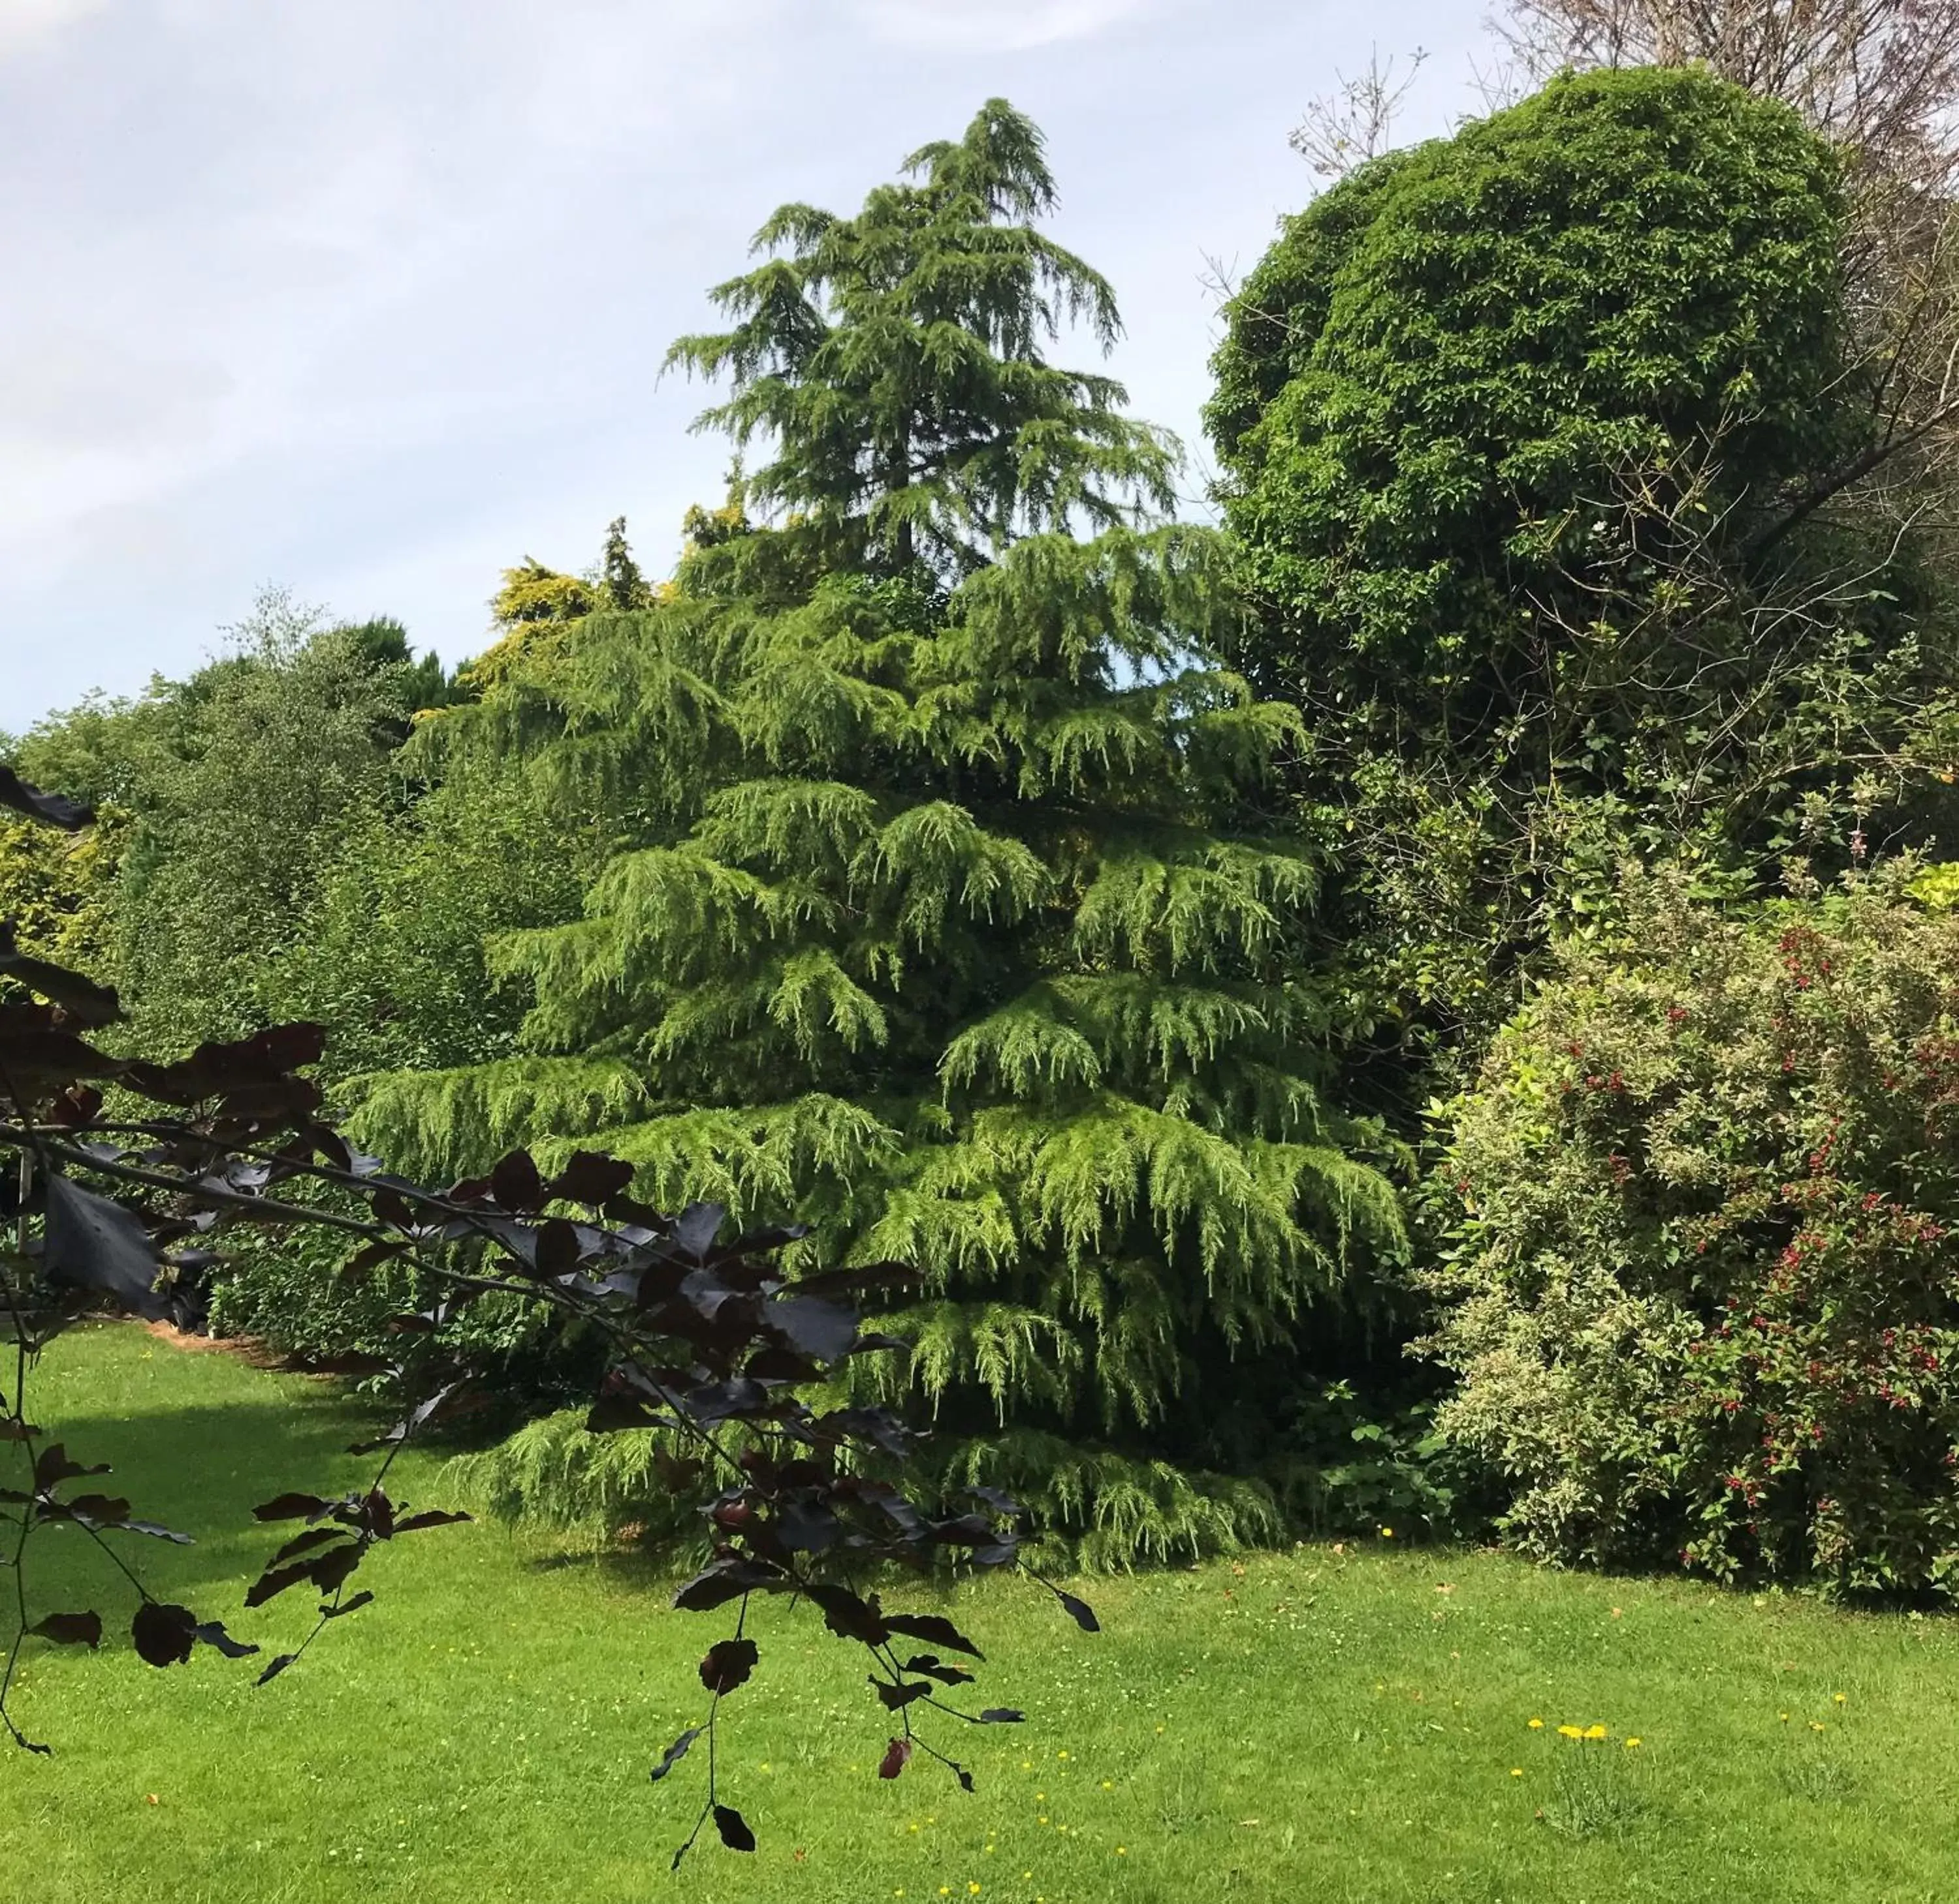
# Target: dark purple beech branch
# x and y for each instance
(709, 1341)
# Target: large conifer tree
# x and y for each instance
(947, 918)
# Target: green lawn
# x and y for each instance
(1324, 1724)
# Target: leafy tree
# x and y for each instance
(388, 954)
(892, 362)
(621, 583)
(56, 891)
(382, 646)
(296, 728)
(1531, 437)
(534, 604)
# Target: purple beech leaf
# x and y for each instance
(675, 1753)
(103, 1510)
(696, 1227)
(895, 1697)
(850, 1618)
(1079, 1612)
(516, 1183)
(212, 1633)
(82, 999)
(728, 1665)
(155, 1529)
(314, 1536)
(431, 1517)
(591, 1178)
(290, 1507)
(932, 1627)
(164, 1633)
(70, 1628)
(53, 1467)
(95, 1244)
(55, 809)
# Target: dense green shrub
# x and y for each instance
(1702, 1299)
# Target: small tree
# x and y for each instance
(964, 937)
(1879, 79)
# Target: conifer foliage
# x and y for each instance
(893, 364)
(946, 916)
(966, 946)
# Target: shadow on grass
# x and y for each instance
(200, 1470)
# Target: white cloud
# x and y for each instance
(996, 26)
(27, 23)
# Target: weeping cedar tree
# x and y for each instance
(1543, 443)
(952, 920)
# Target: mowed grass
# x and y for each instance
(1330, 1724)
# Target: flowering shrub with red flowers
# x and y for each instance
(1702, 1292)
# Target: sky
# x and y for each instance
(368, 300)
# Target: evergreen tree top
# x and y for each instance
(892, 362)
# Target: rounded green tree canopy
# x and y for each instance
(1442, 363)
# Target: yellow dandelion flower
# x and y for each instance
(972, 1891)
(1570, 1732)
(1841, 1697)
(1537, 1725)
(1042, 1820)
(1387, 1534)
(1108, 1785)
(1783, 1717)
(945, 1890)
(1632, 1744)
(1121, 1851)
(1516, 1772)
(1061, 1755)
(1816, 1725)
(1594, 1731)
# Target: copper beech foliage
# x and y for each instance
(129, 1174)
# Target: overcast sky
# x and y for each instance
(366, 298)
